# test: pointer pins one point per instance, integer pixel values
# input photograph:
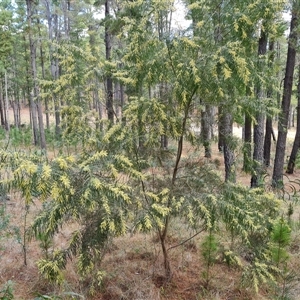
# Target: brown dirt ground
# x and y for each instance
(133, 264)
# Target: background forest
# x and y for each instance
(121, 173)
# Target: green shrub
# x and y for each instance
(6, 292)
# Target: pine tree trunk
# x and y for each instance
(163, 95)
(227, 138)
(16, 93)
(109, 83)
(6, 103)
(269, 122)
(66, 8)
(33, 71)
(277, 178)
(247, 144)
(296, 144)
(33, 119)
(220, 130)
(54, 69)
(44, 77)
(258, 132)
(258, 151)
(16, 113)
(2, 106)
(206, 130)
(267, 142)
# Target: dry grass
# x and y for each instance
(133, 264)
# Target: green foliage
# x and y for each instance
(6, 46)
(258, 273)
(76, 125)
(297, 162)
(6, 292)
(88, 189)
(7, 230)
(281, 237)
(209, 249)
(232, 259)
(249, 214)
(52, 268)
(103, 183)
(4, 222)
(20, 137)
(287, 281)
(2, 133)
(45, 243)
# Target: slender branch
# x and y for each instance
(175, 246)
(180, 142)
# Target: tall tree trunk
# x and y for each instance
(117, 100)
(109, 83)
(258, 132)
(32, 46)
(44, 77)
(206, 130)
(16, 94)
(33, 119)
(247, 163)
(16, 113)
(6, 103)
(277, 178)
(267, 143)
(2, 106)
(269, 126)
(227, 138)
(52, 21)
(163, 94)
(220, 130)
(296, 145)
(66, 6)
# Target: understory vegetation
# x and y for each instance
(139, 157)
(106, 190)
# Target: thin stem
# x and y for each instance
(185, 241)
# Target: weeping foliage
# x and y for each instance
(89, 190)
(111, 185)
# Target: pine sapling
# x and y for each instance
(281, 237)
(209, 250)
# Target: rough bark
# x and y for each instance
(267, 142)
(220, 130)
(66, 5)
(258, 131)
(16, 114)
(2, 113)
(277, 178)
(109, 82)
(6, 104)
(54, 69)
(247, 143)
(296, 144)
(163, 94)
(44, 77)
(226, 135)
(269, 126)
(33, 71)
(206, 130)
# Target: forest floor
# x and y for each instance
(133, 264)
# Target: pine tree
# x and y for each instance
(277, 177)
